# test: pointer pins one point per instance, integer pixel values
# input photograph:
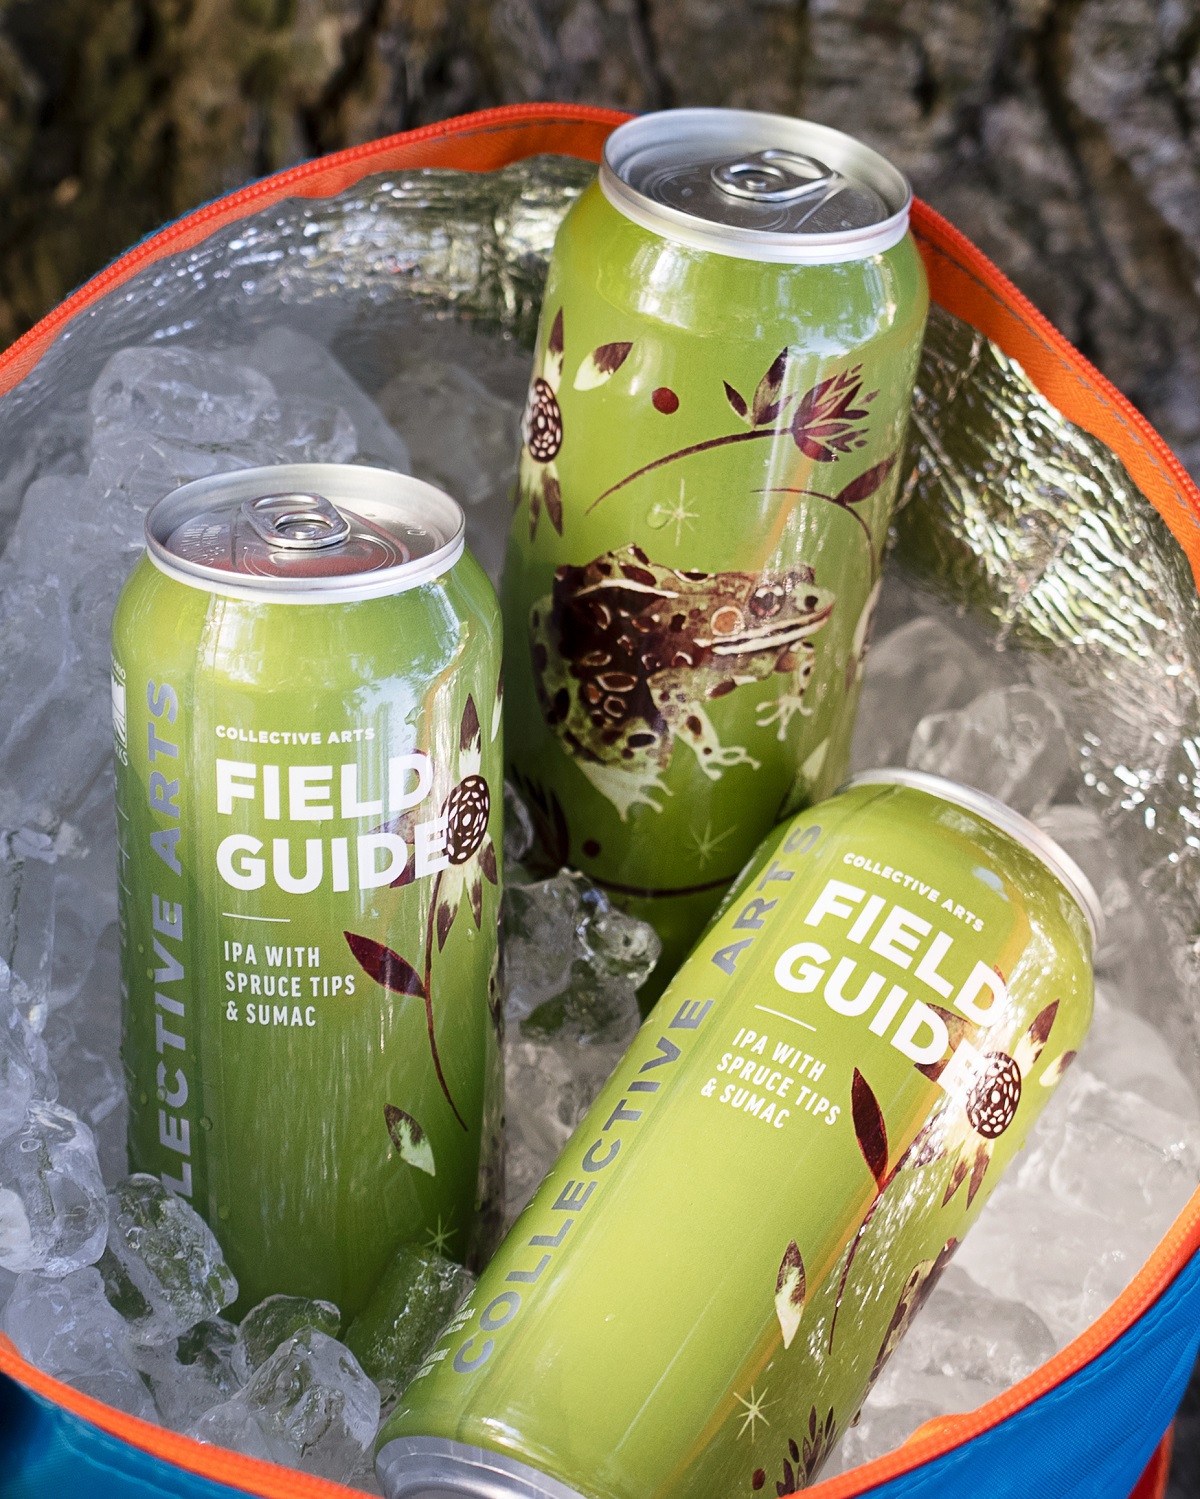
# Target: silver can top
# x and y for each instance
(306, 532)
(755, 186)
(439, 1468)
(1000, 815)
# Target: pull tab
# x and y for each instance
(773, 176)
(300, 522)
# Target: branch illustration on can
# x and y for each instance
(825, 424)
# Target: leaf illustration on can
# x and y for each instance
(958, 1029)
(790, 1292)
(767, 396)
(736, 401)
(865, 485)
(411, 1141)
(1054, 1073)
(869, 1128)
(396, 974)
(1039, 1032)
(601, 365)
(871, 1133)
(386, 967)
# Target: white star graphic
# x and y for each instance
(439, 1237)
(677, 515)
(755, 1406)
(707, 843)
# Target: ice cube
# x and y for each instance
(80, 922)
(1151, 1157)
(518, 826)
(121, 1386)
(923, 667)
(232, 1424)
(164, 1270)
(415, 1298)
(306, 375)
(53, 1215)
(179, 393)
(22, 1018)
(1066, 1264)
(549, 1085)
(1080, 832)
(132, 469)
(573, 963)
(87, 1082)
(67, 525)
(311, 1403)
(16, 1073)
(1010, 743)
(1129, 1055)
(67, 1328)
(967, 1335)
(275, 1320)
(880, 1428)
(90, 606)
(462, 436)
(458, 403)
(192, 1375)
(27, 859)
(539, 922)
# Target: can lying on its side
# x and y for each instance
(307, 716)
(705, 1286)
(724, 369)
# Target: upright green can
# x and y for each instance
(702, 1291)
(307, 718)
(710, 456)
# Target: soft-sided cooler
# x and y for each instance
(1093, 1422)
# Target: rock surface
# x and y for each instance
(1059, 136)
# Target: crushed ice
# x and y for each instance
(118, 1289)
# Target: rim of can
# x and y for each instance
(1002, 816)
(436, 1468)
(342, 484)
(759, 131)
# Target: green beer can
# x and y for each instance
(306, 706)
(710, 456)
(702, 1291)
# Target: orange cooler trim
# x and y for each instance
(964, 282)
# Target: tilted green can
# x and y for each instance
(722, 378)
(307, 715)
(703, 1289)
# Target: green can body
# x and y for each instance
(309, 957)
(710, 459)
(703, 1289)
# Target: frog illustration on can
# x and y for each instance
(626, 652)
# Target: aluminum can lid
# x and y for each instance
(1039, 843)
(439, 1468)
(306, 532)
(755, 186)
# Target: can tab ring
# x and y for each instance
(299, 522)
(774, 176)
